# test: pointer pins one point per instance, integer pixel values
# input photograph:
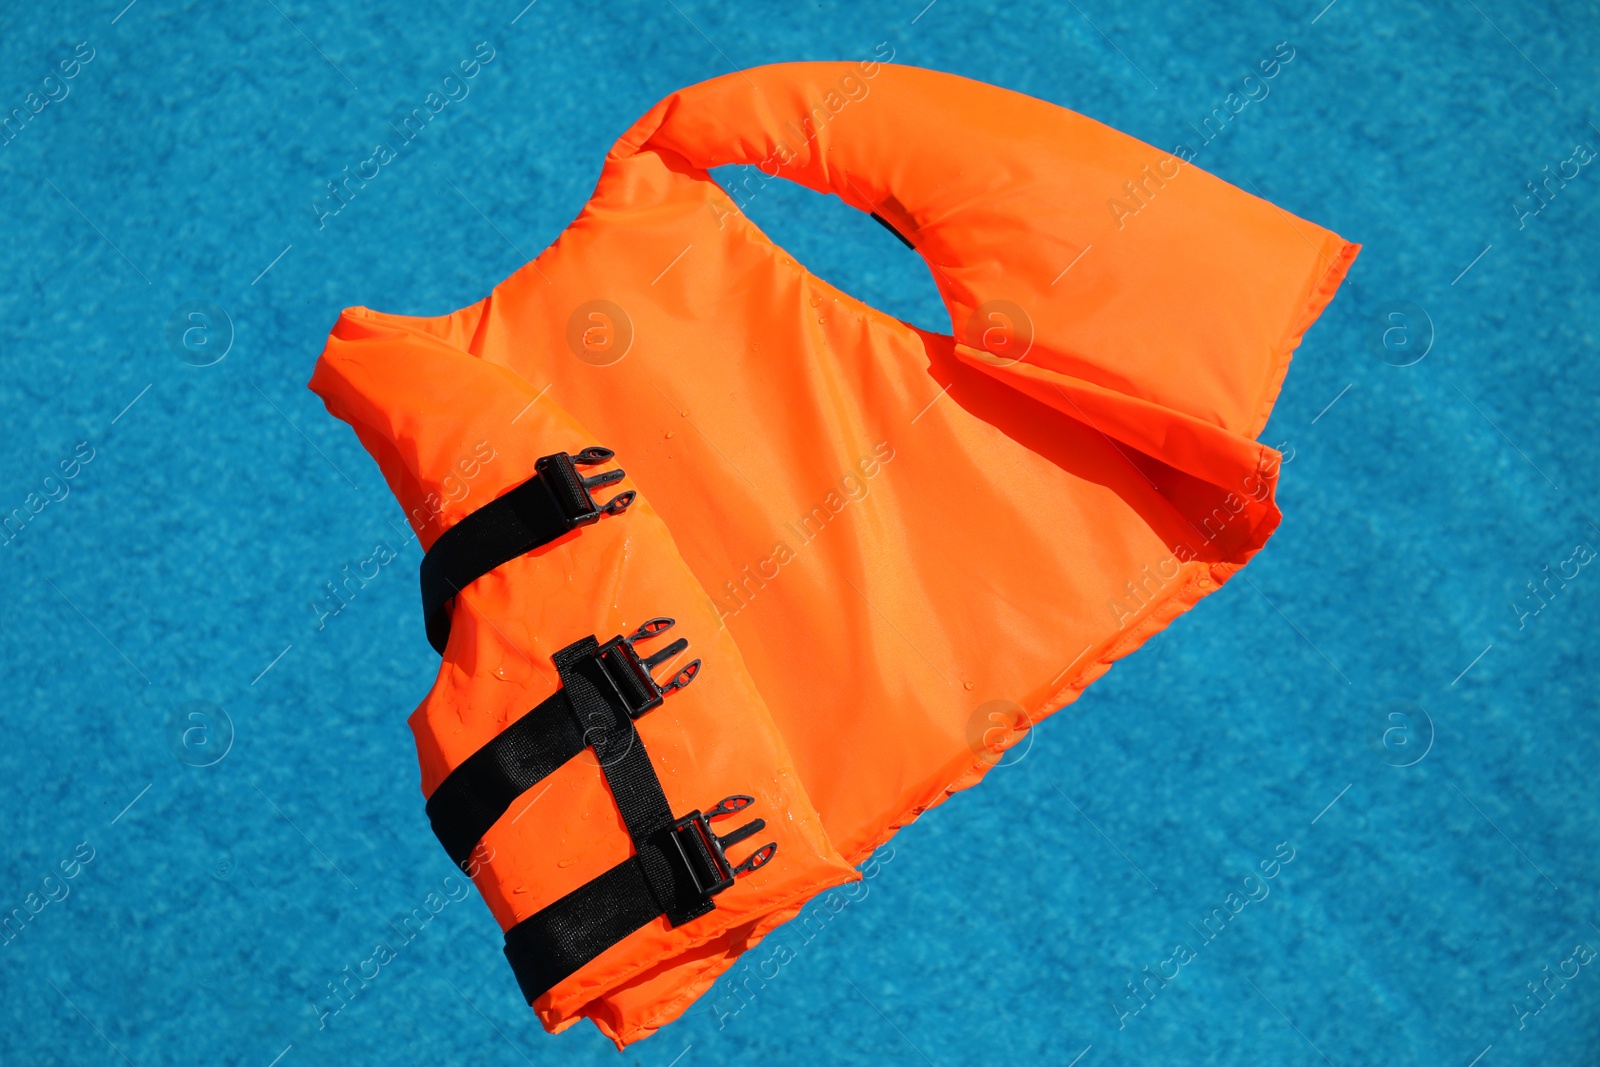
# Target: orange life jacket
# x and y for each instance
(890, 551)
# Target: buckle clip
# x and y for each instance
(570, 490)
(704, 854)
(629, 674)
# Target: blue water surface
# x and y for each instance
(211, 806)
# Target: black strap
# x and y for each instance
(485, 785)
(604, 688)
(675, 873)
(619, 749)
(553, 502)
(881, 221)
(555, 942)
(678, 865)
(474, 796)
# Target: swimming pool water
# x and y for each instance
(1387, 721)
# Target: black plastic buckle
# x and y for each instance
(704, 854)
(628, 674)
(570, 490)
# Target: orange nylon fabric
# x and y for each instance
(894, 550)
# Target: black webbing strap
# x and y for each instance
(678, 865)
(881, 221)
(553, 502)
(675, 873)
(603, 689)
(485, 785)
(619, 749)
(554, 943)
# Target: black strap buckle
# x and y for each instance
(549, 505)
(571, 490)
(628, 674)
(704, 854)
(474, 796)
(675, 874)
